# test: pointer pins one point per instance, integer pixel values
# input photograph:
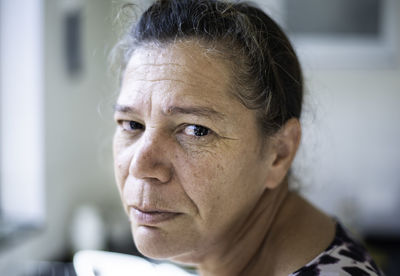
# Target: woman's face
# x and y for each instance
(187, 153)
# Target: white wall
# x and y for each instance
(21, 111)
(351, 151)
(350, 161)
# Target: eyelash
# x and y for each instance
(128, 126)
(198, 131)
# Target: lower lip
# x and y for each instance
(151, 218)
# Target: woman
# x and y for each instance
(208, 126)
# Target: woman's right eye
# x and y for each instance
(131, 126)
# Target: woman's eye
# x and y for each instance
(197, 130)
(131, 125)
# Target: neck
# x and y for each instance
(241, 252)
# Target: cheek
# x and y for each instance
(204, 181)
(223, 186)
(121, 162)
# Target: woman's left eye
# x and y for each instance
(197, 130)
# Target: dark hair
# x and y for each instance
(266, 73)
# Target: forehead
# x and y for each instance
(181, 69)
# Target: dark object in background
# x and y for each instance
(334, 17)
(73, 42)
(387, 252)
(51, 269)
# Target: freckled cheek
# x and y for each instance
(199, 168)
(203, 183)
(121, 165)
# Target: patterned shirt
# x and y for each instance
(344, 256)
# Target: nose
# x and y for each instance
(150, 158)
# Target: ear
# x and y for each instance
(284, 145)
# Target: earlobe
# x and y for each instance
(284, 147)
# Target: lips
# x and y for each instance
(151, 217)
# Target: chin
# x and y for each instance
(155, 243)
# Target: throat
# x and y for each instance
(247, 245)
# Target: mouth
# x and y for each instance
(150, 217)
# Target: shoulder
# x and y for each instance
(344, 256)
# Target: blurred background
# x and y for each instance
(57, 192)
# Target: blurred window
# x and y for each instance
(341, 34)
(334, 17)
(21, 117)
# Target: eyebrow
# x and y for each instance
(123, 108)
(200, 111)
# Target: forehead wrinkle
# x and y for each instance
(166, 79)
(134, 67)
(194, 75)
(191, 62)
